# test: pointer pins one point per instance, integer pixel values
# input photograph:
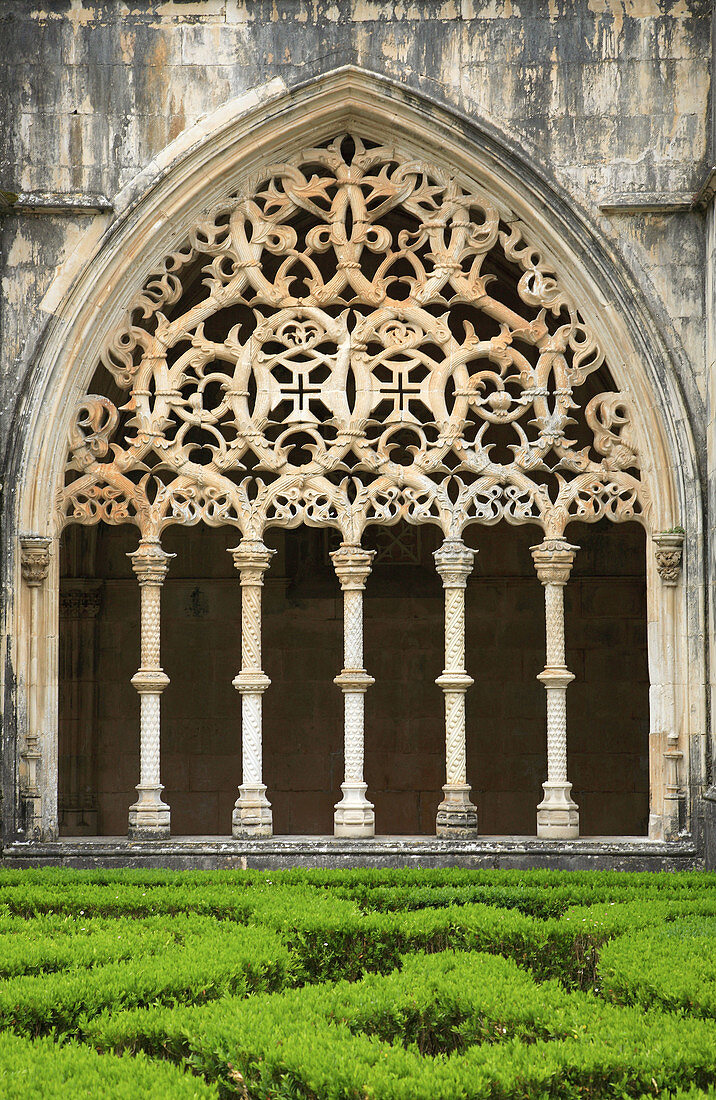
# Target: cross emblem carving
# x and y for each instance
(403, 392)
(301, 393)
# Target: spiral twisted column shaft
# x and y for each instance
(557, 813)
(354, 814)
(252, 814)
(456, 816)
(149, 816)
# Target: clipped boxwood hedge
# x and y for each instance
(358, 985)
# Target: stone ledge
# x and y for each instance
(647, 202)
(55, 202)
(274, 853)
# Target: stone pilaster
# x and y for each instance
(149, 817)
(252, 811)
(557, 814)
(354, 814)
(35, 564)
(456, 816)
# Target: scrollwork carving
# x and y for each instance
(356, 339)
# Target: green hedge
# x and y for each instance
(42, 1070)
(673, 965)
(433, 984)
(448, 1026)
(200, 961)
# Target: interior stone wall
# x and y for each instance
(303, 762)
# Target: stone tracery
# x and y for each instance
(358, 339)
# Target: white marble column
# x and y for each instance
(457, 816)
(252, 811)
(557, 814)
(35, 564)
(354, 814)
(149, 815)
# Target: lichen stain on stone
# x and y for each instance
(157, 77)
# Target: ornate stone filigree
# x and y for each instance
(355, 339)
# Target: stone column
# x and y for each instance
(557, 814)
(35, 564)
(354, 814)
(456, 816)
(252, 811)
(149, 816)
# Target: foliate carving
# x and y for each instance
(34, 559)
(354, 339)
(454, 562)
(352, 565)
(553, 560)
(669, 552)
(150, 562)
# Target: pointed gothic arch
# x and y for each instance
(360, 267)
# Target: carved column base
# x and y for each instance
(456, 816)
(354, 814)
(149, 817)
(557, 814)
(252, 814)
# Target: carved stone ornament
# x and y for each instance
(669, 552)
(34, 559)
(355, 338)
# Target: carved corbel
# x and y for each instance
(669, 552)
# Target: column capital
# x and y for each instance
(150, 562)
(669, 552)
(35, 559)
(454, 562)
(252, 558)
(352, 565)
(553, 560)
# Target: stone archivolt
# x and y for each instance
(358, 339)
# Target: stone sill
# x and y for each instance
(205, 852)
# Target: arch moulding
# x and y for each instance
(226, 152)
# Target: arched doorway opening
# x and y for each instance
(629, 449)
